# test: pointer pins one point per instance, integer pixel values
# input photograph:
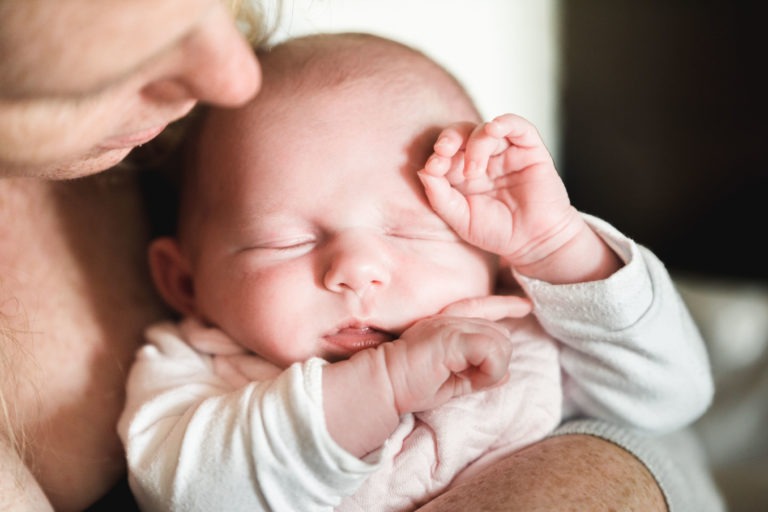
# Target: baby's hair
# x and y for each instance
(322, 61)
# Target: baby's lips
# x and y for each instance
(354, 339)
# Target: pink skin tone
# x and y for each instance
(123, 70)
(291, 265)
(83, 82)
(496, 185)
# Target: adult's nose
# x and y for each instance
(358, 263)
(218, 66)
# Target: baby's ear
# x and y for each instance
(172, 275)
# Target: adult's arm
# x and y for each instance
(592, 465)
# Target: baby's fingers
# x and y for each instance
(492, 307)
(480, 147)
(487, 357)
(451, 140)
(448, 157)
(448, 203)
(515, 129)
(451, 169)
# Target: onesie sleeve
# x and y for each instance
(630, 350)
(194, 442)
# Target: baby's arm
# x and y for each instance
(194, 442)
(496, 185)
(436, 359)
(631, 350)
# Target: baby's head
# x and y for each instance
(304, 229)
(403, 86)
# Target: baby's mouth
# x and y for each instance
(356, 338)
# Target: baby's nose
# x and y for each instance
(357, 262)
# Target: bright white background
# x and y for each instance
(503, 51)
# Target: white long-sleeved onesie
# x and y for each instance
(630, 354)
(283, 457)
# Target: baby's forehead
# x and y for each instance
(350, 71)
(327, 61)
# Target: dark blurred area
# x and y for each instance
(665, 127)
(665, 113)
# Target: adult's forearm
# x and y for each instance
(594, 465)
(677, 462)
(568, 472)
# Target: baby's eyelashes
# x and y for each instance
(287, 246)
(283, 245)
(427, 234)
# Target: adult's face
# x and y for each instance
(82, 82)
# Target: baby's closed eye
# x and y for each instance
(284, 245)
(433, 231)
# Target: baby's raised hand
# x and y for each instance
(496, 185)
(442, 357)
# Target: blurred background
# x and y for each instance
(505, 52)
(655, 112)
(663, 110)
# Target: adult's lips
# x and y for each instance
(131, 140)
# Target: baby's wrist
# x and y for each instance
(360, 383)
(577, 254)
(537, 254)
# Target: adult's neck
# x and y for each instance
(75, 296)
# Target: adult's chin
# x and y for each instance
(89, 165)
(64, 169)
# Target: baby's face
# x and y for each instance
(320, 241)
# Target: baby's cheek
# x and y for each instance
(277, 322)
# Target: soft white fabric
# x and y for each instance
(219, 429)
(629, 353)
(263, 446)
